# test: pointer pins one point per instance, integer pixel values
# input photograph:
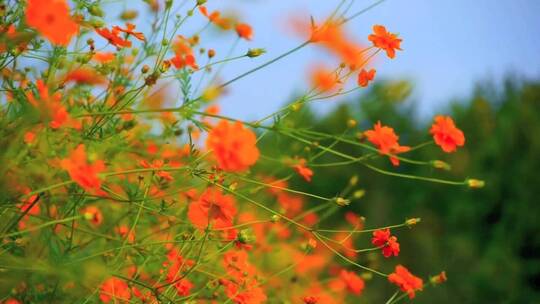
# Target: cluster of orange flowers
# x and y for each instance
(330, 35)
(194, 191)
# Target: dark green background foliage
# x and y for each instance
(488, 240)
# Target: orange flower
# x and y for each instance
(183, 287)
(50, 106)
(176, 264)
(386, 141)
(364, 77)
(354, 283)
(84, 174)
(103, 57)
(115, 290)
(212, 208)
(446, 134)
(125, 232)
(389, 244)
(156, 164)
(51, 18)
(304, 171)
(129, 30)
(93, 214)
(29, 137)
(183, 54)
(406, 281)
(215, 18)
(310, 300)
(244, 31)
(324, 79)
(85, 76)
(234, 147)
(385, 40)
(29, 207)
(212, 17)
(331, 36)
(113, 36)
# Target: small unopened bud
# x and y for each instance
(342, 202)
(164, 42)
(413, 221)
(351, 123)
(366, 276)
(201, 2)
(245, 236)
(359, 193)
(95, 10)
(129, 15)
(97, 22)
(211, 93)
(165, 66)
(439, 279)
(233, 186)
(190, 13)
(439, 164)
(354, 180)
(360, 136)
(145, 69)
(252, 53)
(475, 183)
(168, 4)
(296, 106)
(211, 53)
(275, 218)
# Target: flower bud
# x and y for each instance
(201, 2)
(97, 23)
(95, 10)
(439, 279)
(245, 236)
(129, 15)
(358, 194)
(342, 202)
(145, 69)
(367, 276)
(439, 164)
(252, 53)
(413, 221)
(475, 183)
(296, 106)
(211, 53)
(275, 218)
(351, 123)
(354, 180)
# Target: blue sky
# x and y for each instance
(449, 45)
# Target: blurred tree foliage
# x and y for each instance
(488, 240)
